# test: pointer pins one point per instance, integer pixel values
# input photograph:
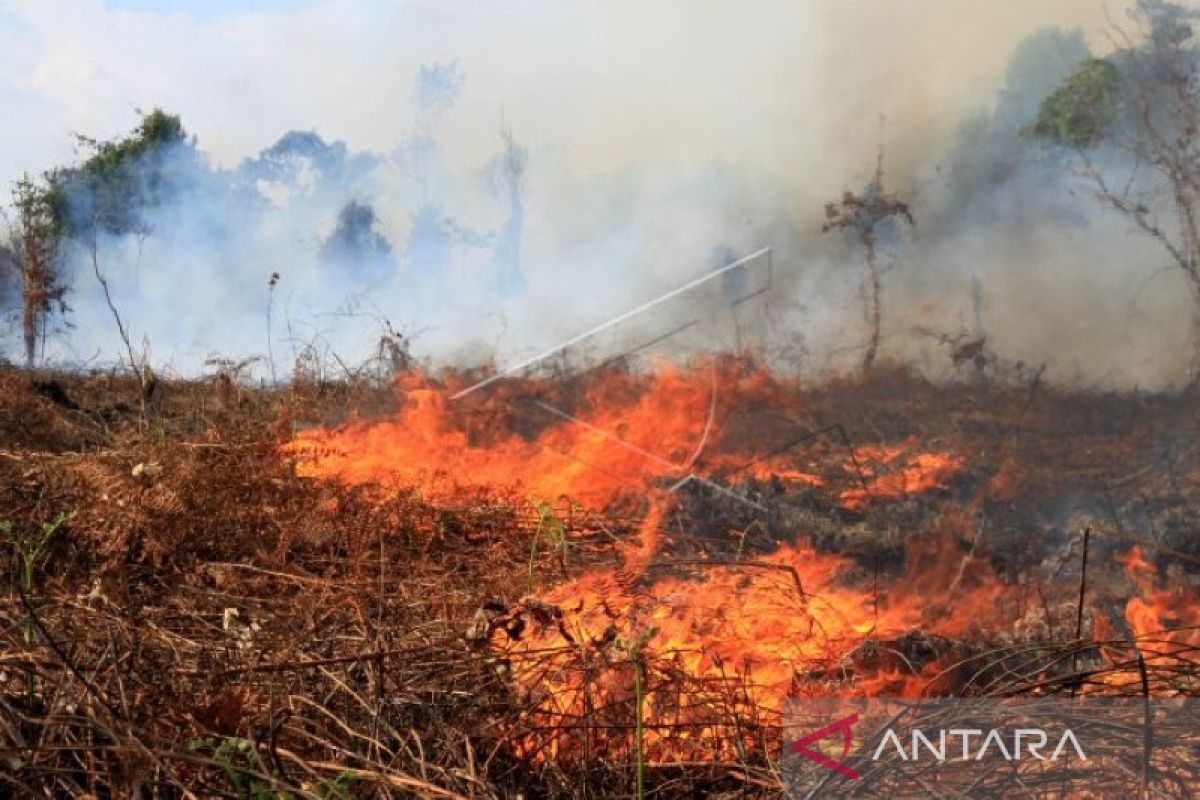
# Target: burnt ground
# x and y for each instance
(183, 614)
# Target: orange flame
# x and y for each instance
(1167, 614)
(749, 632)
(750, 628)
(625, 432)
(887, 481)
(1164, 623)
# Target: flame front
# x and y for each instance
(624, 434)
(699, 650)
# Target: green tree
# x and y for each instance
(109, 192)
(121, 179)
(1078, 113)
(1133, 121)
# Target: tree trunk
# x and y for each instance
(33, 299)
(1193, 375)
(874, 290)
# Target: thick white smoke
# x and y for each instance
(648, 139)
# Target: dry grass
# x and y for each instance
(207, 624)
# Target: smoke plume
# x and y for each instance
(492, 183)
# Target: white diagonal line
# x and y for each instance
(610, 323)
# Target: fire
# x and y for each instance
(892, 475)
(1166, 619)
(688, 647)
(749, 630)
(752, 630)
(766, 470)
(1162, 624)
(623, 434)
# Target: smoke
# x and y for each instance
(490, 183)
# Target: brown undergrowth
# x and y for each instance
(202, 621)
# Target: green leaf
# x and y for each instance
(1079, 112)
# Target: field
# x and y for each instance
(589, 585)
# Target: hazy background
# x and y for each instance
(658, 136)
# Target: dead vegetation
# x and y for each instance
(199, 621)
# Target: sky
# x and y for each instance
(206, 9)
(600, 84)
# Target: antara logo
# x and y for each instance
(844, 724)
(1033, 741)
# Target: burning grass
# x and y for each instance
(563, 587)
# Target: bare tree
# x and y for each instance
(864, 216)
(140, 366)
